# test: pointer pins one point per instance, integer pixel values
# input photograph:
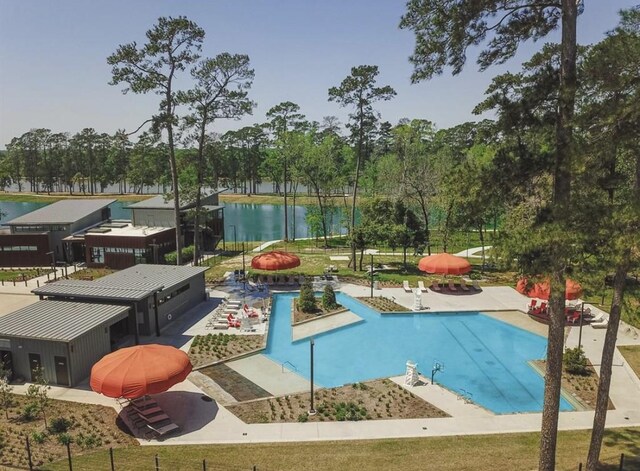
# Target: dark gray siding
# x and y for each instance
(178, 305)
(87, 350)
(21, 348)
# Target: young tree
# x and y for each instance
(220, 92)
(38, 394)
(172, 44)
(307, 300)
(358, 90)
(6, 390)
(329, 298)
(444, 30)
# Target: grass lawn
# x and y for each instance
(21, 275)
(53, 197)
(631, 353)
(477, 453)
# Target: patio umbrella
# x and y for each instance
(541, 289)
(137, 371)
(444, 264)
(275, 260)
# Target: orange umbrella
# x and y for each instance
(137, 371)
(541, 290)
(444, 264)
(275, 260)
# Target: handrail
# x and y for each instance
(288, 362)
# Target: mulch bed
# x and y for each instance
(371, 400)
(582, 388)
(207, 349)
(91, 428)
(383, 304)
(300, 316)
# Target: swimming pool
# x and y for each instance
(485, 359)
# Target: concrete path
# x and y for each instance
(473, 252)
(269, 375)
(325, 324)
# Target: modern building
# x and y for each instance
(156, 294)
(36, 238)
(62, 339)
(76, 322)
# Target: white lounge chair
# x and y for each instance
(600, 324)
(421, 286)
(452, 286)
(405, 285)
(435, 286)
(463, 285)
(160, 431)
(476, 285)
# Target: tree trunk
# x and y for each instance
(174, 174)
(196, 219)
(324, 222)
(561, 202)
(286, 216)
(602, 400)
(361, 257)
(293, 209)
(355, 190)
(481, 233)
(425, 215)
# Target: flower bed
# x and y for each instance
(383, 304)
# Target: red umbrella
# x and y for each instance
(137, 371)
(275, 260)
(541, 290)
(444, 264)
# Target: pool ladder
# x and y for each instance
(465, 396)
(288, 363)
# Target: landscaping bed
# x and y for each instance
(372, 400)
(91, 274)
(301, 316)
(90, 428)
(583, 388)
(207, 349)
(383, 304)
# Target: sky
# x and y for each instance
(54, 74)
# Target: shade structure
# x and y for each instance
(541, 290)
(444, 264)
(136, 371)
(275, 260)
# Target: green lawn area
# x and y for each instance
(20, 275)
(631, 353)
(53, 197)
(477, 453)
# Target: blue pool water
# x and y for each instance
(485, 359)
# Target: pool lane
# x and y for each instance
(485, 359)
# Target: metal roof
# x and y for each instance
(151, 277)
(90, 289)
(58, 320)
(65, 211)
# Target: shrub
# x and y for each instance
(170, 258)
(307, 300)
(304, 417)
(329, 298)
(575, 362)
(59, 425)
(29, 413)
(65, 439)
(38, 437)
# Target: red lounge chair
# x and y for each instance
(250, 312)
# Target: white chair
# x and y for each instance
(435, 286)
(405, 285)
(421, 286)
(463, 285)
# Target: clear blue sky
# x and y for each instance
(53, 70)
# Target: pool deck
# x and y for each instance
(205, 422)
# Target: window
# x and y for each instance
(97, 254)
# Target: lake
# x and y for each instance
(251, 222)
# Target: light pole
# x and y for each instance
(312, 410)
(372, 275)
(580, 333)
(235, 238)
(244, 275)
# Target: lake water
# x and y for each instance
(252, 222)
